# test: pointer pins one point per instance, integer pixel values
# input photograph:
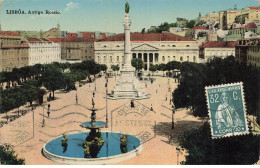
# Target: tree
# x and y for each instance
(200, 23)
(203, 150)
(103, 67)
(30, 90)
(53, 79)
(194, 78)
(190, 24)
(162, 67)
(137, 63)
(152, 68)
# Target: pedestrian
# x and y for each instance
(151, 108)
(166, 98)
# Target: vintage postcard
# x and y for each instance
(137, 82)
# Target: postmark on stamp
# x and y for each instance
(134, 119)
(227, 111)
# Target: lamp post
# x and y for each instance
(173, 112)
(106, 103)
(178, 149)
(43, 120)
(48, 112)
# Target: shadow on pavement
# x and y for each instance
(165, 129)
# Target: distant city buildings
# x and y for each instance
(218, 34)
(14, 51)
(43, 51)
(248, 51)
(152, 48)
(220, 49)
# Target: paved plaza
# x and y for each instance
(28, 135)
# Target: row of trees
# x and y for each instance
(166, 26)
(191, 90)
(52, 76)
(18, 96)
(190, 93)
(170, 66)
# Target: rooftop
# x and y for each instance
(219, 44)
(8, 33)
(200, 28)
(147, 37)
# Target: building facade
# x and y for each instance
(80, 49)
(152, 48)
(210, 17)
(221, 49)
(253, 55)
(248, 51)
(43, 51)
(13, 51)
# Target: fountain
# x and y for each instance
(93, 147)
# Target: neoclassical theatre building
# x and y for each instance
(152, 48)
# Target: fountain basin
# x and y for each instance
(99, 124)
(109, 153)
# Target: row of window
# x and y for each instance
(174, 58)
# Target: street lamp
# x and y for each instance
(43, 120)
(106, 85)
(178, 149)
(76, 98)
(48, 112)
(173, 112)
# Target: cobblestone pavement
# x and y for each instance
(28, 135)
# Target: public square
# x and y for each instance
(66, 116)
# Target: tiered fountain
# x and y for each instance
(94, 147)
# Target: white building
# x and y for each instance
(152, 48)
(221, 49)
(43, 51)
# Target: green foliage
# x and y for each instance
(190, 24)
(123, 143)
(137, 63)
(173, 65)
(8, 156)
(163, 27)
(93, 144)
(64, 140)
(194, 78)
(203, 150)
(115, 67)
(53, 78)
(153, 68)
(201, 22)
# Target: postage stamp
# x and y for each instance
(227, 111)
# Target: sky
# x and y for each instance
(107, 15)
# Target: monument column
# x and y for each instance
(127, 47)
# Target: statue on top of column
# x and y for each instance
(127, 7)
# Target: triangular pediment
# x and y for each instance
(145, 47)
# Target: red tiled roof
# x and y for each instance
(70, 35)
(64, 40)
(254, 8)
(44, 39)
(34, 40)
(147, 37)
(10, 38)
(8, 33)
(103, 35)
(87, 34)
(219, 44)
(250, 25)
(200, 28)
